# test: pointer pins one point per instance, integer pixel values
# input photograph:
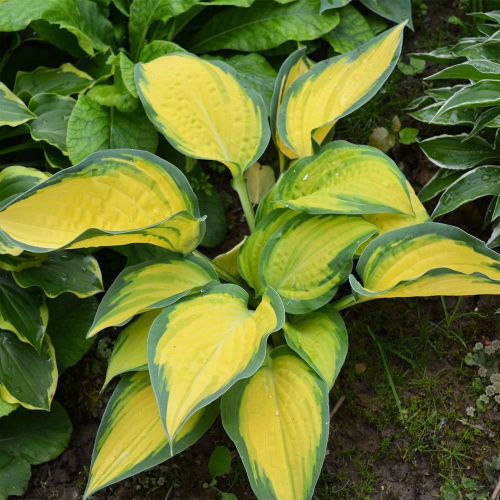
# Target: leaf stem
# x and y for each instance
(349, 301)
(240, 186)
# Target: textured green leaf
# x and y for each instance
(211, 206)
(28, 377)
(448, 151)
(15, 474)
(23, 312)
(13, 111)
(353, 30)
(394, 10)
(439, 183)
(482, 181)
(144, 12)
(64, 81)
(126, 72)
(158, 48)
(36, 436)
(263, 26)
(64, 271)
(93, 127)
(51, 125)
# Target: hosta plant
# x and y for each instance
(252, 335)
(469, 161)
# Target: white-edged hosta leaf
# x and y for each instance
(23, 311)
(428, 114)
(353, 30)
(450, 151)
(36, 436)
(335, 88)
(310, 256)
(439, 183)
(130, 352)
(92, 127)
(251, 251)
(320, 339)
(65, 80)
(203, 110)
(111, 198)
(490, 118)
(345, 179)
(426, 260)
(263, 26)
(278, 419)
(61, 272)
(470, 70)
(444, 93)
(13, 111)
(151, 285)
(26, 376)
(482, 181)
(131, 438)
(202, 345)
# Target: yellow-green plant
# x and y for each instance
(266, 347)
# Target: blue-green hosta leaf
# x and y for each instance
(211, 206)
(64, 271)
(394, 10)
(92, 127)
(22, 311)
(143, 13)
(450, 151)
(488, 119)
(13, 111)
(51, 125)
(353, 30)
(158, 48)
(470, 70)
(27, 377)
(69, 321)
(443, 179)
(263, 26)
(36, 436)
(482, 181)
(65, 80)
(55, 157)
(15, 474)
(333, 4)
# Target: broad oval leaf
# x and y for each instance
(249, 255)
(345, 179)
(482, 181)
(130, 352)
(23, 311)
(425, 260)
(335, 88)
(15, 473)
(111, 198)
(200, 346)
(203, 110)
(151, 285)
(278, 419)
(13, 111)
(310, 255)
(320, 339)
(131, 438)
(62, 272)
(26, 376)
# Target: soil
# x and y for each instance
(371, 452)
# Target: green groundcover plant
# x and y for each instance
(252, 335)
(469, 161)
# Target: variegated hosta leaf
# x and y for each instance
(13, 111)
(200, 346)
(425, 260)
(295, 65)
(131, 438)
(309, 256)
(267, 204)
(203, 110)
(113, 197)
(130, 352)
(151, 285)
(26, 376)
(278, 420)
(345, 179)
(23, 311)
(229, 260)
(61, 272)
(25, 260)
(249, 255)
(320, 338)
(335, 88)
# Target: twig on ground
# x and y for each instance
(337, 406)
